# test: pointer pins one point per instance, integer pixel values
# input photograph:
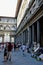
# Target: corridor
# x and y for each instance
(21, 23)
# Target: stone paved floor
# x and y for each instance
(19, 59)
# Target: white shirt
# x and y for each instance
(23, 47)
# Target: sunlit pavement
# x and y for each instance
(19, 59)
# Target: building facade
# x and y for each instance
(8, 27)
(30, 26)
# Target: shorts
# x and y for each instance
(5, 54)
(23, 50)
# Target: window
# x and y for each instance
(12, 39)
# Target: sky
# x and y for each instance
(8, 8)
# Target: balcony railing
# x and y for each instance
(2, 22)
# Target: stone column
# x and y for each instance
(22, 37)
(32, 34)
(3, 38)
(30, 38)
(38, 34)
(28, 35)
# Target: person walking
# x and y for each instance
(23, 49)
(9, 51)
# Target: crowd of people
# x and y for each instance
(8, 47)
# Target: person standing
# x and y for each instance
(5, 53)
